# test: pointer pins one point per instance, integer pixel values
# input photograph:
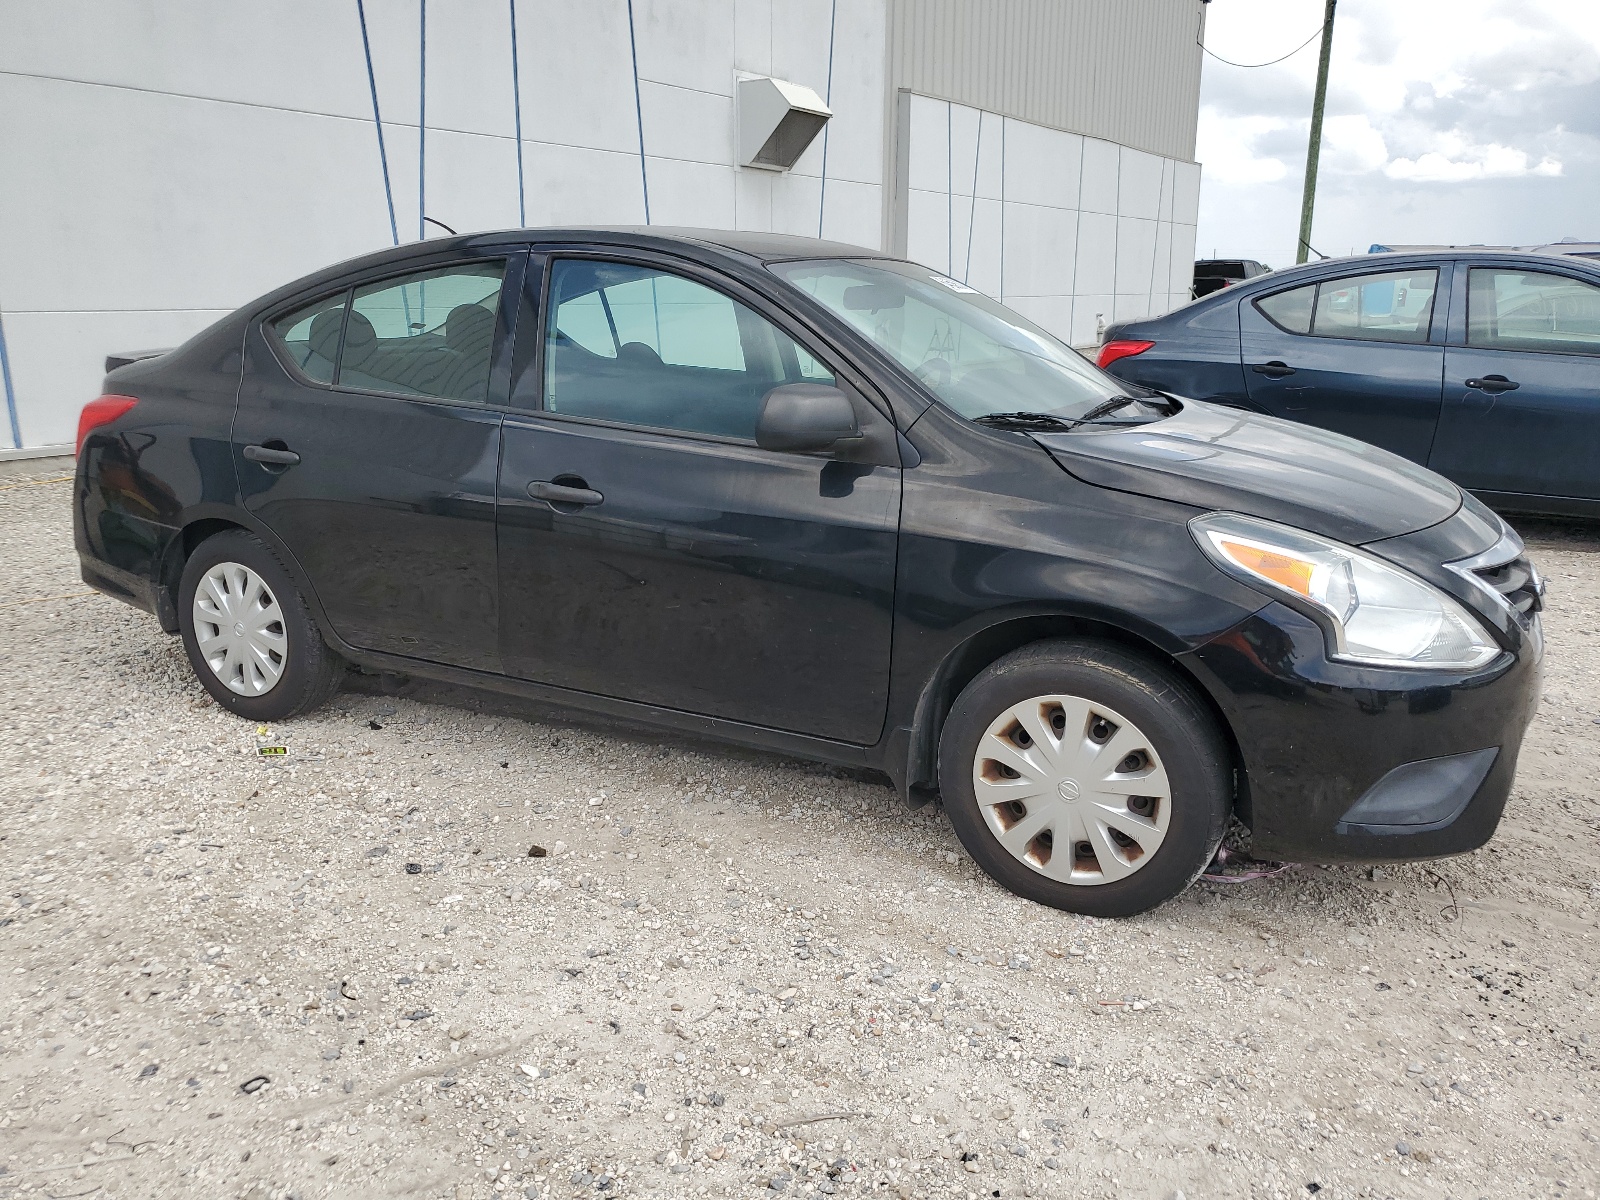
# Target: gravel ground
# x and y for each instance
(339, 972)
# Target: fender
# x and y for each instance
(180, 546)
(910, 750)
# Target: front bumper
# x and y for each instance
(1348, 763)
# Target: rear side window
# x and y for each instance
(1388, 306)
(310, 335)
(1290, 310)
(1532, 311)
(427, 334)
(1395, 306)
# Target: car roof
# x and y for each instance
(760, 247)
(736, 247)
(1398, 260)
(765, 247)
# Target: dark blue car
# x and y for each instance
(1482, 365)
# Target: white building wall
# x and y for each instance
(1066, 229)
(162, 164)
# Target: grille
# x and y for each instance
(1517, 582)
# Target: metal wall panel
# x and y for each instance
(1127, 71)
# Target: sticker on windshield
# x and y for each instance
(954, 285)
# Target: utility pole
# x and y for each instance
(1314, 150)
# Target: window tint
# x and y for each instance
(428, 334)
(311, 336)
(644, 347)
(1394, 306)
(1290, 310)
(1530, 310)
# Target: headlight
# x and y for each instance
(1378, 614)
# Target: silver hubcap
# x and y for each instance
(1072, 789)
(239, 629)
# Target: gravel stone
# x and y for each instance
(868, 975)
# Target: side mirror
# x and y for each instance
(805, 416)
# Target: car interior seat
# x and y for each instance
(469, 336)
(322, 344)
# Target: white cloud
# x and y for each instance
(1480, 162)
(1447, 121)
(1350, 144)
(1226, 147)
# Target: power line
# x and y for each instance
(1251, 66)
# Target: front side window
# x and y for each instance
(426, 334)
(974, 354)
(310, 335)
(1532, 311)
(1390, 306)
(639, 346)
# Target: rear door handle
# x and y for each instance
(561, 493)
(1494, 383)
(1273, 369)
(266, 454)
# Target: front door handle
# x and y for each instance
(1494, 383)
(561, 493)
(1273, 369)
(267, 454)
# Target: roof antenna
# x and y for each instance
(440, 224)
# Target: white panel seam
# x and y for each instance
(361, 120)
(683, 87)
(1077, 239)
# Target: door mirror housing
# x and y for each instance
(806, 417)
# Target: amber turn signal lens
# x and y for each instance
(1292, 573)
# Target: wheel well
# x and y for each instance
(189, 541)
(975, 655)
(184, 544)
(177, 556)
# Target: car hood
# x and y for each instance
(1225, 458)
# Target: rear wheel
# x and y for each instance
(250, 637)
(1085, 777)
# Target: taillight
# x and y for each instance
(101, 412)
(1111, 351)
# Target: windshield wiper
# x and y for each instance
(1035, 420)
(1024, 420)
(1104, 409)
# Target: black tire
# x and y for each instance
(311, 672)
(1180, 729)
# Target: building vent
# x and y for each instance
(777, 121)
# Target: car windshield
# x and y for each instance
(977, 356)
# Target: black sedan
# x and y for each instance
(808, 498)
(1481, 365)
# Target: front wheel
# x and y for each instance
(1085, 777)
(249, 635)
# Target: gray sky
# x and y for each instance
(1454, 121)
